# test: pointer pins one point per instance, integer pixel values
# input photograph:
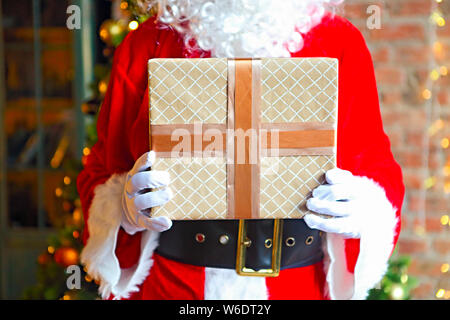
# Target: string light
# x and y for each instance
(133, 25)
(434, 75)
(67, 180)
(440, 293)
(436, 19)
(437, 48)
(435, 127)
(102, 87)
(77, 215)
(404, 278)
(86, 151)
(426, 94)
(58, 192)
(447, 170)
(429, 182)
(123, 5)
(397, 293)
(447, 187)
(60, 152)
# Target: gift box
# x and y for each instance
(242, 138)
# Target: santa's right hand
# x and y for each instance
(138, 199)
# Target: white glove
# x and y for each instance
(352, 201)
(137, 198)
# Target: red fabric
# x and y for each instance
(305, 283)
(172, 280)
(363, 147)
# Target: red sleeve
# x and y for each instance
(126, 95)
(363, 146)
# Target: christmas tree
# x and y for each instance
(61, 258)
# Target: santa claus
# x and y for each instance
(135, 256)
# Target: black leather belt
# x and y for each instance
(213, 243)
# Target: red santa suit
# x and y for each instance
(127, 266)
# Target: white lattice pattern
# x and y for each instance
(188, 90)
(287, 182)
(299, 90)
(199, 187)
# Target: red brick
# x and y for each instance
(415, 139)
(389, 75)
(404, 223)
(409, 159)
(415, 203)
(443, 96)
(412, 54)
(425, 267)
(412, 181)
(396, 119)
(391, 118)
(409, 246)
(443, 81)
(411, 8)
(391, 97)
(393, 32)
(381, 55)
(433, 224)
(437, 205)
(355, 10)
(412, 118)
(359, 10)
(434, 161)
(422, 291)
(443, 31)
(396, 138)
(442, 246)
(422, 74)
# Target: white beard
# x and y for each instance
(244, 28)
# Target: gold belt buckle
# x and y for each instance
(244, 242)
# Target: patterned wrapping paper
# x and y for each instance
(297, 97)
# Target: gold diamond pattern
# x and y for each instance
(188, 90)
(287, 182)
(199, 188)
(299, 90)
(195, 90)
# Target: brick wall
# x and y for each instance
(405, 50)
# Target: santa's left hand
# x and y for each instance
(352, 201)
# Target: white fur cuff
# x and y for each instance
(376, 245)
(105, 216)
